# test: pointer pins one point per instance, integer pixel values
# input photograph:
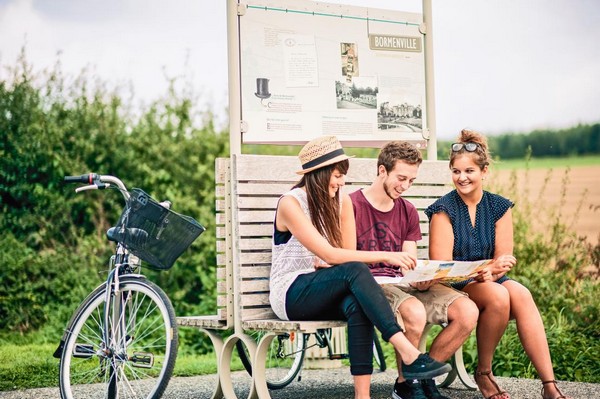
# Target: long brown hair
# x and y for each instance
(324, 210)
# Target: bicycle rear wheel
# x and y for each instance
(284, 360)
(139, 357)
(378, 355)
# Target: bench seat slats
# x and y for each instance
(211, 322)
(277, 325)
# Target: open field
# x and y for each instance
(544, 188)
(548, 163)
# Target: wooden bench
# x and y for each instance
(248, 187)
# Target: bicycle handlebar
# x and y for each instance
(100, 182)
(95, 181)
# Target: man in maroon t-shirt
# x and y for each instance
(387, 222)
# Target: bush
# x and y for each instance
(52, 126)
(560, 270)
(43, 288)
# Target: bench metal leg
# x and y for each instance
(217, 342)
(259, 364)
(225, 366)
(458, 366)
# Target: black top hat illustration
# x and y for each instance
(262, 88)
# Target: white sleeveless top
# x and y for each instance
(289, 260)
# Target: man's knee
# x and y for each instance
(464, 312)
(413, 314)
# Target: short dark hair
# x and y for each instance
(395, 151)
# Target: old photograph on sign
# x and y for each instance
(361, 93)
(399, 111)
(349, 61)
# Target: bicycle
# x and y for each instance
(286, 355)
(122, 339)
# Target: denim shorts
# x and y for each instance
(436, 300)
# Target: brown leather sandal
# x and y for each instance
(561, 395)
(501, 394)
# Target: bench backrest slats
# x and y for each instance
(259, 182)
(224, 242)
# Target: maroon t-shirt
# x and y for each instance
(384, 231)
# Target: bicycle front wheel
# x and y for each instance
(284, 358)
(134, 358)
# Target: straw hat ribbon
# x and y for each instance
(319, 152)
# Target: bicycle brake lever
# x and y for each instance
(101, 186)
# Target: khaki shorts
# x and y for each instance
(436, 300)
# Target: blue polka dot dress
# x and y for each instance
(472, 242)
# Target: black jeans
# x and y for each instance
(345, 292)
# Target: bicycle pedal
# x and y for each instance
(141, 359)
(338, 356)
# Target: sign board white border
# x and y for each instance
(309, 68)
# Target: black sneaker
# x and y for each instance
(424, 367)
(409, 389)
(430, 389)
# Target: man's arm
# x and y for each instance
(410, 247)
(348, 223)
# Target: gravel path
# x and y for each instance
(331, 384)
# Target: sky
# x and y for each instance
(500, 65)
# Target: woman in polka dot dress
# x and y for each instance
(471, 224)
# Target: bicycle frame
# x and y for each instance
(115, 341)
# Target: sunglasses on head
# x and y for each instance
(467, 146)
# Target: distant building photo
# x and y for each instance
(402, 115)
(361, 93)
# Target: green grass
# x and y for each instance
(27, 366)
(547, 163)
(32, 366)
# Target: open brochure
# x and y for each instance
(442, 270)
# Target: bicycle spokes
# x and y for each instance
(131, 355)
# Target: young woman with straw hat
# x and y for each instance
(315, 276)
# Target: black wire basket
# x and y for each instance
(167, 234)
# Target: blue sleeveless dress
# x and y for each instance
(472, 242)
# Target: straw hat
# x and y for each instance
(319, 152)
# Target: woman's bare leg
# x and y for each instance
(532, 334)
(362, 386)
(493, 302)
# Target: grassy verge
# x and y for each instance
(27, 366)
(32, 366)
